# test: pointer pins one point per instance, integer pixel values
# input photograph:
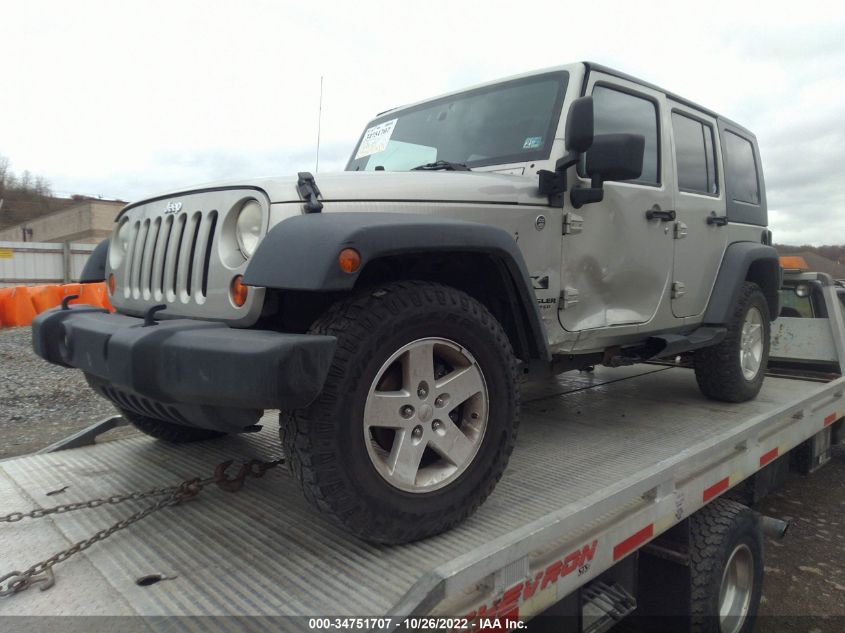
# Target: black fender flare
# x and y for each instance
(301, 253)
(95, 266)
(744, 261)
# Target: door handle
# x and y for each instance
(717, 220)
(657, 214)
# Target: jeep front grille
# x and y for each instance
(185, 260)
(169, 256)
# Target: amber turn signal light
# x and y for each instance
(111, 284)
(349, 260)
(238, 291)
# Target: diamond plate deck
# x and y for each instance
(262, 551)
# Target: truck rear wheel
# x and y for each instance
(733, 370)
(418, 415)
(726, 567)
(168, 431)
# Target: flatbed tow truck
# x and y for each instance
(589, 522)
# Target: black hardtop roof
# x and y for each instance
(616, 73)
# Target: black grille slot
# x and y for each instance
(180, 233)
(212, 225)
(161, 266)
(195, 226)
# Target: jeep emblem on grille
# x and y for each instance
(173, 207)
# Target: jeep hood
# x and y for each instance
(422, 186)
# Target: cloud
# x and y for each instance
(125, 99)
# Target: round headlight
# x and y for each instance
(248, 228)
(119, 245)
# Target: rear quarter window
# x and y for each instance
(741, 169)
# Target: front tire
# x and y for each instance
(733, 370)
(418, 415)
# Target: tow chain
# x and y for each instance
(42, 572)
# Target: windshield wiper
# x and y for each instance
(445, 165)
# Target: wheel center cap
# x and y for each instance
(426, 412)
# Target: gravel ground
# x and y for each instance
(41, 403)
(805, 572)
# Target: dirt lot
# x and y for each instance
(805, 572)
(41, 403)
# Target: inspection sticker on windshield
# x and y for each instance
(376, 138)
(533, 142)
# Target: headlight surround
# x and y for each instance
(119, 245)
(248, 227)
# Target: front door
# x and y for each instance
(700, 208)
(617, 269)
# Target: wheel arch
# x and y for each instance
(744, 261)
(95, 266)
(300, 254)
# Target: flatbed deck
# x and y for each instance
(597, 454)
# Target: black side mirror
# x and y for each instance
(616, 157)
(611, 157)
(580, 125)
(579, 138)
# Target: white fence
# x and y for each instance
(32, 263)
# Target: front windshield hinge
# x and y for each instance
(309, 192)
(553, 185)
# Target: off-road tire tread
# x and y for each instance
(168, 431)
(710, 528)
(307, 437)
(718, 374)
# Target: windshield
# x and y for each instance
(506, 123)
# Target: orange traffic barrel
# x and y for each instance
(4, 295)
(45, 297)
(93, 294)
(18, 308)
(69, 289)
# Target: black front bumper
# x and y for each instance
(187, 371)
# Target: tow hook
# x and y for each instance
(254, 468)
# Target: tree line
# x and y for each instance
(836, 252)
(22, 196)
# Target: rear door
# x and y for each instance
(700, 233)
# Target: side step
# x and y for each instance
(668, 345)
(603, 605)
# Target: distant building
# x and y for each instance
(89, 220)
(15, 210)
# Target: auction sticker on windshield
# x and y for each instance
(376, 138)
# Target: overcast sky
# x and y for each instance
(123, 99)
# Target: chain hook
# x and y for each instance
(17, 582)
(230, 484)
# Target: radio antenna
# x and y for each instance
(319, 121)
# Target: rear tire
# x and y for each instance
(726, 568)
(733, 370)
(389, 451)
(168, 431)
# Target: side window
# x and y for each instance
(741, 169)
(694, 155)
(794, 306)
(619, 112)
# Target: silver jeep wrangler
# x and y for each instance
(558, 219)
